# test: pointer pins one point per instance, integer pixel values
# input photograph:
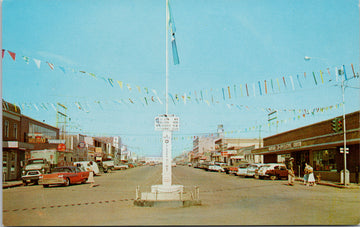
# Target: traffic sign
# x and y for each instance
(167, 122)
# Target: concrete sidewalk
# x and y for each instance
(333, 184)
(10, 184)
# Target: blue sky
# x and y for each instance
(221, 44)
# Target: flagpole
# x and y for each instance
(167, 58)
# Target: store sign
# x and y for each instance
(285, 146)
(61, 147)
(37, 140)
(81, 144)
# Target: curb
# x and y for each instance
(12, 185)
(332, 184)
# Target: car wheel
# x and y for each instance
(67, 183)
(256, 176)
(45, 185)
(25, 182)
(84, 181)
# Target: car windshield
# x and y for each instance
(36, 161)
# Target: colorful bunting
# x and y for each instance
(50, 65)
(12, 55)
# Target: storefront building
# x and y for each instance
(318, 145)
(22, 134)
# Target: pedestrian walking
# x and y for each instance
(311, 179)
(291, 174)
(91, 179)
(306, 173)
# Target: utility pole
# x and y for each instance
(344, 127)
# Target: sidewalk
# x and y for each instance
(333, 184)
(10, 184)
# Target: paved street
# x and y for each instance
(225, 199)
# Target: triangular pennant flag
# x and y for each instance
(37, 62)
(111, 82)
(3, 53)
(62, 69)
(26, 59)
(92, 74)
(292, 82)
(139, 89)
(321, 76)
(12, 54)
(120, 83)
(50, 65)
(314, 78)
(259, 87)
(128, 86)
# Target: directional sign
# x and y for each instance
(167, 122)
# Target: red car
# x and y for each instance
(64, 176)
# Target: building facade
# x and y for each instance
(318, 145)
(21, 134)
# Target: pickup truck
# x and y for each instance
(64, 176)
(33, 169)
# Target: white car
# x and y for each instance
(250, 170)
(216, 168)
(261, 172)
(84, 165)
(242, 169)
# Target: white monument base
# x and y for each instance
(164, 188)
(167, 196)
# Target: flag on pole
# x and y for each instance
(171, 24)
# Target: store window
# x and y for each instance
(324, 160)
(6, 128)
(15, 131)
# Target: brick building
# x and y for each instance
(319, 145)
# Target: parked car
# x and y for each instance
(108, 166)
(216, 168)
(250, 170)
(122, 166)
(64, 176)
(279, 172)
(262, 171)
(242, 169)
(84, 165)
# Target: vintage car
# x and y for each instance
(242, 169)
(279, 172)
(265, 171)
(216, 168)
(65, 175)
(85, 165)
(250, 170)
